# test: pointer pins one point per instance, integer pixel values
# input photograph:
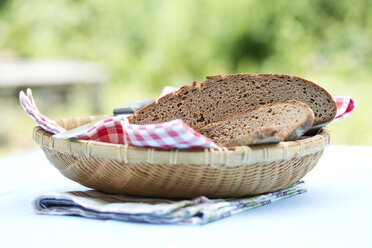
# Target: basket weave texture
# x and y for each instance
(221, 172)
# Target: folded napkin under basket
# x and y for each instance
(215, 172)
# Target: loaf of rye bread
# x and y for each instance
(267, 124)
(223, 95)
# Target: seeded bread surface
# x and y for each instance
(267, 124)
(223, 95)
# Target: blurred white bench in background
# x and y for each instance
(54, 75)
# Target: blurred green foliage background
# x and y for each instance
(147, 45)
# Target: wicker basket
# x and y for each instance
(223, 172)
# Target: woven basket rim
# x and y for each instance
(231, 156)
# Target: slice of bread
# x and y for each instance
(220, 96)
(267, 124)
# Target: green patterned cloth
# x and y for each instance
(96, 204)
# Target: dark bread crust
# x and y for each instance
(222, 95)
(267, 124)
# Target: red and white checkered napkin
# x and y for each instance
(117, 130)
(172, 134)
(29, 106)
(345, 107)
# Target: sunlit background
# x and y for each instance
(142, 46)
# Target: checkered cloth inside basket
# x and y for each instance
(172, 134)
(117, 130)
(345, 106)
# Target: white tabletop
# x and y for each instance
(335, 212)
